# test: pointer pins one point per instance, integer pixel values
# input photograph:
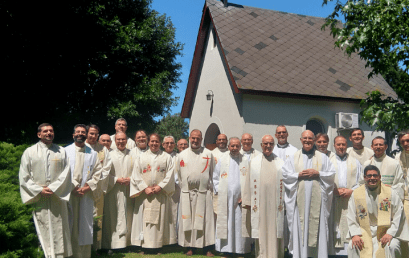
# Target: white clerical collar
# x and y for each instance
(283, 146)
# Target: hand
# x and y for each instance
(77, 191)
(337, 191)
(347, 193)
(156, 189)
(148, 190)
(246, 207)
(239, 201)
(308, 174)
(46, 192)
(123, 181)
(86, 188)
(357, 242)
(386, 239)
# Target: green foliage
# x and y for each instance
(17, 232)
(86, 61)
(173, 125)
(378, 31)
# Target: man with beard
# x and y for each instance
(321, 142)
(121, 126)
(308, 177)
(105, 159)
(348, 170)
(85, 173)
(45, 183)
(284, 149)
(376, 220)
(229, 181)
(221, 148)
(390, 169)
(106, 141)
(118, 210)
(247, 147)
(357, 150)
(182, 145)
(195, 172)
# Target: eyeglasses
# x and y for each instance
(373, 175)
(268, 143)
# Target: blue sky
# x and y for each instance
(186, 14)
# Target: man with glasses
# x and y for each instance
(376, 219)
(283, 149)
(308, 178)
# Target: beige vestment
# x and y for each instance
(217, 152)
(196, 217)
(152, 225)
(361, 155)
(403, 158)
(252, 153)
(47, 165)
(176, 195)
(264, 192)
(118, 210)
(130, 144)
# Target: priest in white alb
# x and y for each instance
(391, 171)
(403, 158)
(283, 149)
(263, 198)
(247, 146)
(121, 126)
(348, 170)
(376, 220)
(229, 179)
(221, 147)
(152, 185)
(308, 177)
(45, 183)
(321, 142)
(118, 210)
(358, 150)
(196, 218)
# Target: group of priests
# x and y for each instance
(113, 192)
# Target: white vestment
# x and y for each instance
(264, 193)
(361, 155)
(47, 165)
(130, 144)
(391, 173)
(152, 225)
(176, 195)
(230, 172)
(250, 154)
(85, 168)
(217, 152)
(196, 217)
(284, 151)
(348, 171)
(106, 163)
(398, 227)
(118, 210)
(310, 240)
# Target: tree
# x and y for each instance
(69, 62)
(378, 31)
(173, 125)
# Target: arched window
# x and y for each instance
(315, 125)
(210, 136)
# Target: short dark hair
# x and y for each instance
(371, 167)
(355, 129)
(42, 125)
(339, 136)
(381, 138)
(154, 134)
(92, 126)
(81, 125)
(322, 135)
(403, 133)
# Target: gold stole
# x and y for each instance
(315, 207)
(341, 204)
(384, 219)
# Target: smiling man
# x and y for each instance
(229, 181)
(221, 148)
(376, 219)
(308, 178)
(357, 150)
(121, 126)
(390, 169)
(283, 148)
(247, 146)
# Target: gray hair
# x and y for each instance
(119, 133)
(121, 119)
(169, 136)
(234, 138)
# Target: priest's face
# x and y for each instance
(356, 138)
(182, 145)
(120, 141)
(246, 141)
(168, 145)
(105, 140)
(379, 147)
(80, 135)
(92, 135)
(141, 140)
(307, 140)
(121, 126)
(267, 145)
(221, 141)
(234, 147)
(372, 179)
(195, 139)
(340, 146)
(46, 135)
(154, 143)
(404, 142)
(281, 135)
(322, 144)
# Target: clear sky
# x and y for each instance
(186, 14)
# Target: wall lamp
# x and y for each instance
(209, 95)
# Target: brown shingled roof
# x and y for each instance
(280, 52)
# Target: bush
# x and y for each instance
(18, 237)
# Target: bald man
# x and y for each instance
(308, 178)
(283, 149)
(106, 141)
(182, 145)
(247, 146)
(221, 148)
